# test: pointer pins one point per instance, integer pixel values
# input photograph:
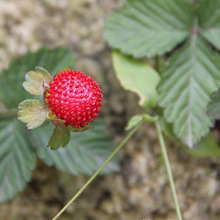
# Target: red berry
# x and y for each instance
(75, 98)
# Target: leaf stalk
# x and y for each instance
(168, 169)
(8, 113)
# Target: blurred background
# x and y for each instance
(141, 189)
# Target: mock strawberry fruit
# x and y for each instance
(74, 98)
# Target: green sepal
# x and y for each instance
(56, 121)
(37, 81)
(62, 70)
(60, 137)
(84, 128)
(60, 123)
(32, 112)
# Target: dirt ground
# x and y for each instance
(140, 191)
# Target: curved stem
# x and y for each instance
(98, 171)
(168, 168)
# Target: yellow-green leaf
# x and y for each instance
(137, 76)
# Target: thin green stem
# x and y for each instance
(98, 171)
(159, 63)
(8, 113)
(168, 168)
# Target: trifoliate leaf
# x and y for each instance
(214, 105)
(37, 81)
(11, 89)
(146, 28)
(60, 137)
(32, 112)
(17, 158)
(134, 121)
(84, 154)
(137, 76)
(209, 21)
(192, 74)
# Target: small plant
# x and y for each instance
(181, 41)
(179, 38)
(70, 100)
(175, 37)
(20, 147)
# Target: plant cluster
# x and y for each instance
(166, 51)
(189, 31)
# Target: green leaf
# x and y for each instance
(137, 76)
(17, 158)
(208, 147)
(11, 89)
(60, 137)
(37, 81)
(146, 28)
(192, 74)
(84, 154)
(214, 105)
(32, 112)
(133, 121)
(138, 118)
(209, 21)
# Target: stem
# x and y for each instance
(8, 113)
(168, 168)
(98, 171)
(159, 63)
